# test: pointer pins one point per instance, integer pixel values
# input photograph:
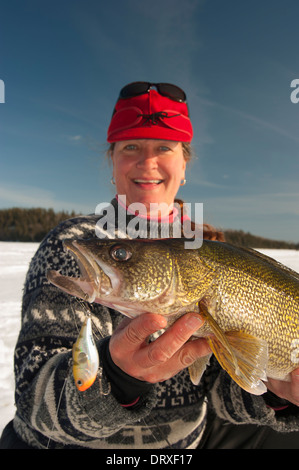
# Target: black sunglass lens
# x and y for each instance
(172, 91)
(166, 89)
(134, 89)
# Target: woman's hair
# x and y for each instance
(187, 151)
(209, 232)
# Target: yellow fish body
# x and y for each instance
(250, 301)
(85, 358)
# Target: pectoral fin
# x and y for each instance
(243, 356)
(197, 369)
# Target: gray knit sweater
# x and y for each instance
(52, 413)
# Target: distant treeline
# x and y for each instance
(31, 225)
(240, 238)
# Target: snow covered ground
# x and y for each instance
(14, 261)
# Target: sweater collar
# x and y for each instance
(117, 222)
(165, 219)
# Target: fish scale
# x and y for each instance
(250, 302)
(263, 314)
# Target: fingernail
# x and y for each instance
(194, 322)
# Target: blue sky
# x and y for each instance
(64, 61)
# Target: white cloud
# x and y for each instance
(31, 196)
(260, 204)
(75, 138)
(260, 123)
(274, 216)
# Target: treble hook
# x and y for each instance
(102, 391)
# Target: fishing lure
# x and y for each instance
(85, 358)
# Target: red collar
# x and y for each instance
(165, 219)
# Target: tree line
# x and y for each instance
(29, 225)
(32, 225)
(240, 238)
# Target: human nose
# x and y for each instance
(147, 159)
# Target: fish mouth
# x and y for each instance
(93, 281)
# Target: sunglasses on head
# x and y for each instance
(165, 89)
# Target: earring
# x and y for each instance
(112, 181)
(183, 183)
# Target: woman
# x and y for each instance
(143, 397)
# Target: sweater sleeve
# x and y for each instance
(237, 406)
(50, 410)
(126, 389)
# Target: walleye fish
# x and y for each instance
(85, 358)
(250, 302)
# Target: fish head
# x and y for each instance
(128, 275)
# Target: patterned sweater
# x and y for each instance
(52, 413)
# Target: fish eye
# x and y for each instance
(120, 253)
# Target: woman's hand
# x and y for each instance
(286, 390)
(163, 358)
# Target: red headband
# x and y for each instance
(150, 116)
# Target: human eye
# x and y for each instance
(130, 147)
(163, 148)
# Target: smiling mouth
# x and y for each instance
(142, 181)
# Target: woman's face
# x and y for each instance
(148, 171)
